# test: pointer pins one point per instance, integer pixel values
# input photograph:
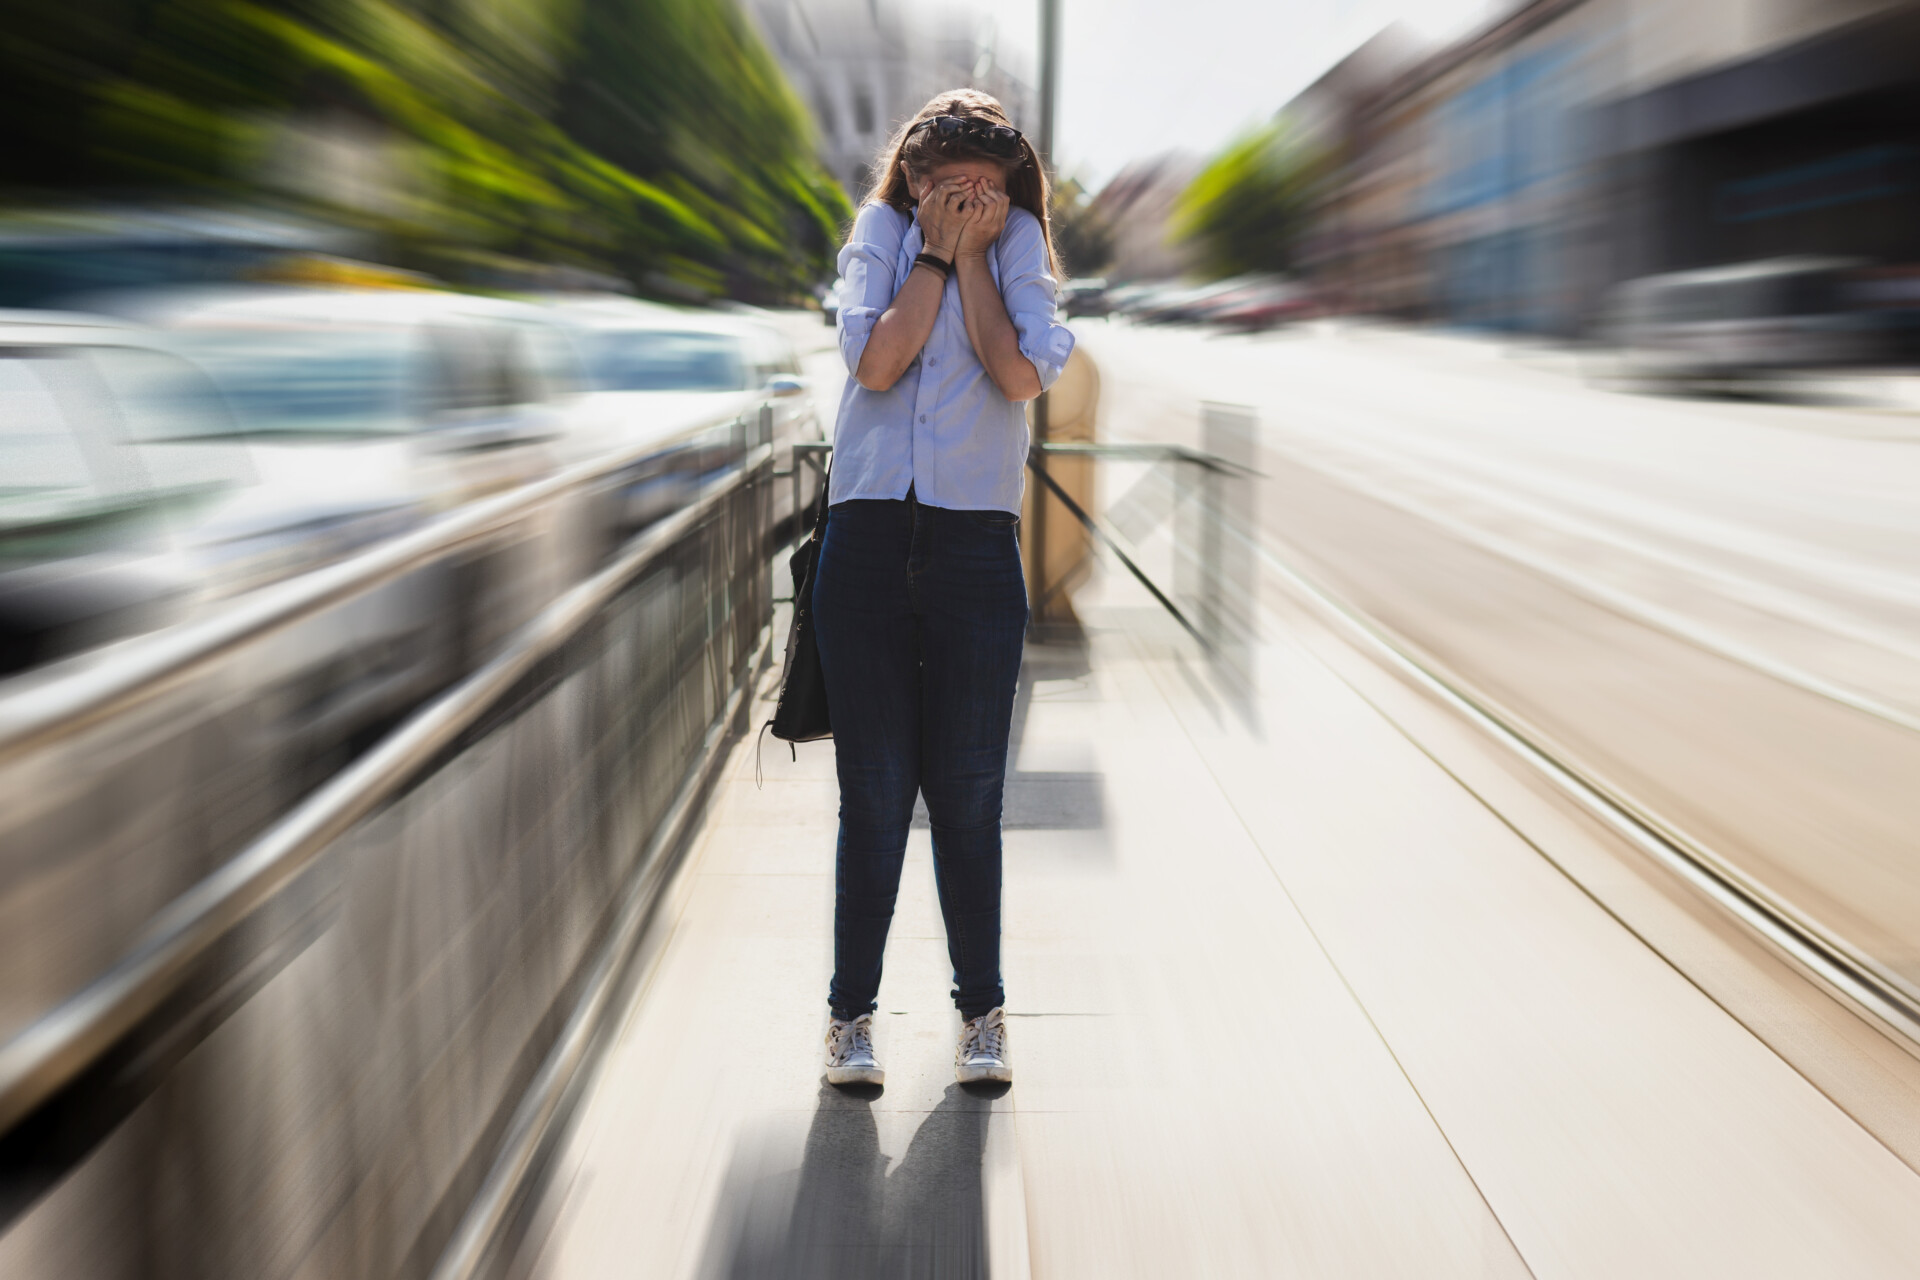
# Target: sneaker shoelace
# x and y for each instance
(986, 1035)
(855, 1037)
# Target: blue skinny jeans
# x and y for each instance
(921, 614)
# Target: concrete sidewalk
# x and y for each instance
(1286, 999)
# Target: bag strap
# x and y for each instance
(818, 535)
(820, 512)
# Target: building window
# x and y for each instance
(862, 112)
(1866, 174)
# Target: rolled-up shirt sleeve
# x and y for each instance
(867, 266)
(1027, 285)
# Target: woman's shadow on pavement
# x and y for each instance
(844, 1215)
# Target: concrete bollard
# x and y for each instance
(1072, 417)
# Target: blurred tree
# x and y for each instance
(654, 138)
(1084, 239)
(1248, 208)
(683, 92)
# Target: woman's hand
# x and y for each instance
(990, 329)
(987, 217)
(944, 212)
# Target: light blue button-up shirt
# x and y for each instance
(943, 428)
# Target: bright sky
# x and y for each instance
(1139, 77)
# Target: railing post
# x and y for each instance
(1189, 520)
(1229, 604)
(793, 475)
(1042, 504)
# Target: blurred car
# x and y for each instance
(1191, 303)
(1129, 299)
(363, 413)
(151, 474)
(1889, 299)
(93, 512)
(657, 373)
(426, 398)
(1085, 298)
(830, 303)
(1261, 304)
(1162, 305)
(1736, 321)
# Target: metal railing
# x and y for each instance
(1212, 507)
(1177, 453)
(1207, 494)
(1113, 543)
(45, 709)
(339, 1050)
(130, 775)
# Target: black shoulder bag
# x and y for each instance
(801, 715)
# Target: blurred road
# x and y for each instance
(1712, 604)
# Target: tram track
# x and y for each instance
(1646, 613)
(1885, 998)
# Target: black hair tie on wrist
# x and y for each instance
(941, 265)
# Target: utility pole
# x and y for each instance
(1042, 500)
(1049, 74)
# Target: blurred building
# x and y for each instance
(1136, 206)
(1508, 180)
(1746, 131)
(1463, 188)
(863, 66)
(1329, 117)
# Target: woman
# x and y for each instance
(947, 325)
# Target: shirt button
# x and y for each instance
(932, 360)
(923, 417)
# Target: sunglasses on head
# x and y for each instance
(995, 139)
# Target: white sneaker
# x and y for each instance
(850, 1057)
(982, 1053)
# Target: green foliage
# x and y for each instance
(653, 138)
(1247, 210)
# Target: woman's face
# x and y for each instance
(982, 171)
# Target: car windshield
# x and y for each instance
(664, 360)
(37, 449)
(161, 397)
(308, 382)
(74, 426)
(74, 419)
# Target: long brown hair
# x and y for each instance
(1027, 186)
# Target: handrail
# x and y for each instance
(1151, 453)
(1113, 545)
(59, 1045)
(49, 706)
(1089, 449)
(1177, 452)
